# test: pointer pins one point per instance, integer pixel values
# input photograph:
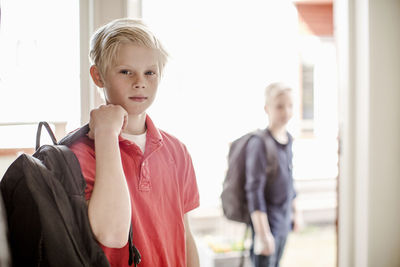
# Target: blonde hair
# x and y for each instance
(107, 39)
(275, 89)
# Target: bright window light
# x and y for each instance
(39, 70)
(223, 54)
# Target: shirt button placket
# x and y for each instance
(144, 183)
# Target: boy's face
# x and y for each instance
(132, 81)
(280, 109)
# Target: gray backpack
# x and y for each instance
(234, 202)
(46, 209)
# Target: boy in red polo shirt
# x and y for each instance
(135, 173)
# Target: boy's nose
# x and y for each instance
(139, 82)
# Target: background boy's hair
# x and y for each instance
(107, 39)
(275, 89)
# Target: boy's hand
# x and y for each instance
(298, 222)
(264, 245)
(107, 118)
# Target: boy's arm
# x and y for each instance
(256, 179)
(264, 243)
(297, 217)
(192, 255)
(109, 207)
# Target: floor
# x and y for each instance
(315, 246)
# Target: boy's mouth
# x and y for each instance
(138, 98)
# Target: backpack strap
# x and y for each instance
(243, 253)
(39, 131)
(70, 138)
(134, 255)
(270, 151)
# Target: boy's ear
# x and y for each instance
(266, 108)
(96, 77)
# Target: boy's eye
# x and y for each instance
(150, 72)
(126, 72)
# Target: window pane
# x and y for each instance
(39, 70)
(308, 92)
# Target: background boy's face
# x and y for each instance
(133, 80)
(280, 109)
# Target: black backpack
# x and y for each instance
(233, 197)
(46, 209)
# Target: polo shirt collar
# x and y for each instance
(153, 133)
(152, 130)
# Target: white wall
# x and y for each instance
(369, 66)
(384, 209)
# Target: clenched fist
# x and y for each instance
(109, 119)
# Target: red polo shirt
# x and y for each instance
(162, 187)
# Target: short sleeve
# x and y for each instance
(191, 198)
(85, 153)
